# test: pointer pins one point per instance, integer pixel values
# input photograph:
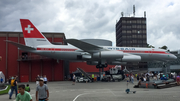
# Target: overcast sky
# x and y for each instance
(84, 19)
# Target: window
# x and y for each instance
(139, 32)
(124, 37)
(128, 31)
(139, 36)
(134, 21)
(133, 26)
(134, 36)
(124, 26)
(144, 21)
(128, 26)
(144, 36)
(134, 31)
(128, 21)
(123, 21)
(138, 26)
(138, 21)
(128, 36)
(123, 31)
(144, 26)
(134, 41)
(144, 31)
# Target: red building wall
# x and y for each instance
(3, 54)
(12, 57)
(58, 68)
(27, 70)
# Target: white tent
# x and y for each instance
(2, 75)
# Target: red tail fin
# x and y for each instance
(29, 30)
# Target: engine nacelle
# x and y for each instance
(131, 58)
(92, 62)
(108, 55)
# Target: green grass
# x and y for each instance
(5, 91)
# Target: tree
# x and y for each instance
(164, 47)
(150, 46)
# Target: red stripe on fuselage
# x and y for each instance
(56, 49)
(125, 51)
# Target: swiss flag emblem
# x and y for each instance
(29, 30)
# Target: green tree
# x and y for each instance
(164, 47)
(150, 46)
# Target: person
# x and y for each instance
(13, 86)
(178, 80)
(45, 79)
(9, 79)
(1, 80)
(155, 78)
(147, 77)
(132, 78)
(141, 78)
(42, 91)
(74, 79)
(92, 77)
(23, 95)
(144, 79)
(37, 80)
(27, 88)
(137, 77)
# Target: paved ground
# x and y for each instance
(103, 91)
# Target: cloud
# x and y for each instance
(94, 19)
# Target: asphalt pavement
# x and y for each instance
(102, 91)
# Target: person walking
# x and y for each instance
(37, 80)
(132, 78)
(23, 95)
(13, 86)
(45, 79)
(9, 80)
(42, 92)
(74, 79)
(92, 77)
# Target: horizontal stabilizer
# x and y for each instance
(23, 47)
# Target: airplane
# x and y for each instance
(101, 56)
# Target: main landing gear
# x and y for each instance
(101, 66)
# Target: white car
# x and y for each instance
(83, 79)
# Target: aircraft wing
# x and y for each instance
(21, 46)
(87, 47)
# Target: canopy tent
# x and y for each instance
(2, 75)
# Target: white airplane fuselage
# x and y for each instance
(65, 52)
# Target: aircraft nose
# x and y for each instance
(174, 57)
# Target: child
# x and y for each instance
(23, 95)
(27, 88)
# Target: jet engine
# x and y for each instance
(108, 55)
(130, 58)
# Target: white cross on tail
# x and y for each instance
(29, 28)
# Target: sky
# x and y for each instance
(94, 19)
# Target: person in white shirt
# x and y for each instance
(144, 78)
(74, 79)
(132, 78)
(45, 79)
